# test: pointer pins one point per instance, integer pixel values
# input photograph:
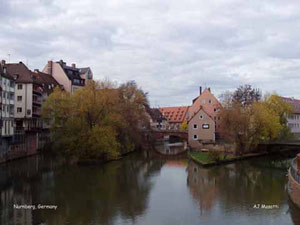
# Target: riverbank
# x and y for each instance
(205, 160)
(91, 162)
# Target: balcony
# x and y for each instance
(37, 101)
(37, 90)
(36, 112)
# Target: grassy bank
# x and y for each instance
(204, 159)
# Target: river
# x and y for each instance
(144, 189)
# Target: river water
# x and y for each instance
(144, 189)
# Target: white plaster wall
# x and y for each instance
(26, 103)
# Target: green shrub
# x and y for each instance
(214, 155)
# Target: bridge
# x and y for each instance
(166, 134)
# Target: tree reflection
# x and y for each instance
(238, 186)
(84, 195)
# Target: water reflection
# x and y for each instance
(203, 186)
(85, 194)
(143, 189)
(240, 188)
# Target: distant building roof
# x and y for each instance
(71, 71)
(294, 102)
(20, 72)
(47, 81)
(84, 70)
(4, 72)
(176, 114)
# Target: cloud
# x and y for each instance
(169, 47)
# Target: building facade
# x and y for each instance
(201, 129)
(210, 104)
(7, 98)
(70, 77)
(28, 97)
(293, 120)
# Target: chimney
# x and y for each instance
(200, 90)
(2, 62)
(49, 67)
(73, 65)
(36, 70)
(208, 89)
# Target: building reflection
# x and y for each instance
(237, 186)
(202, 185)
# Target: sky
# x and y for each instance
(169, 48)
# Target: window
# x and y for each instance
(205, 126)
(209, 101)
(203, 101)
(4, 94)
(76, 81)
(195, 126)
(19, 109)
(19, 98)
(195, 137)
(20, 86)
(201, 117)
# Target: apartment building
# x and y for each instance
(7, 95)
(7, 102)
(70, 77)
(48, 84)
(28, 97)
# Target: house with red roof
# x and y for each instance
(210, 104)
(175, 115)
(201, 128)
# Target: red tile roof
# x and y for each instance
(175, 114)
(294, 102)
(20, 72)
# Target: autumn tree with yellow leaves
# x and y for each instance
(98, 122)
(248, 119)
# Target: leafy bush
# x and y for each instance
(214, 155)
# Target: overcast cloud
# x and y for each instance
(169, 48)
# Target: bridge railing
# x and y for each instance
(295, 173)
